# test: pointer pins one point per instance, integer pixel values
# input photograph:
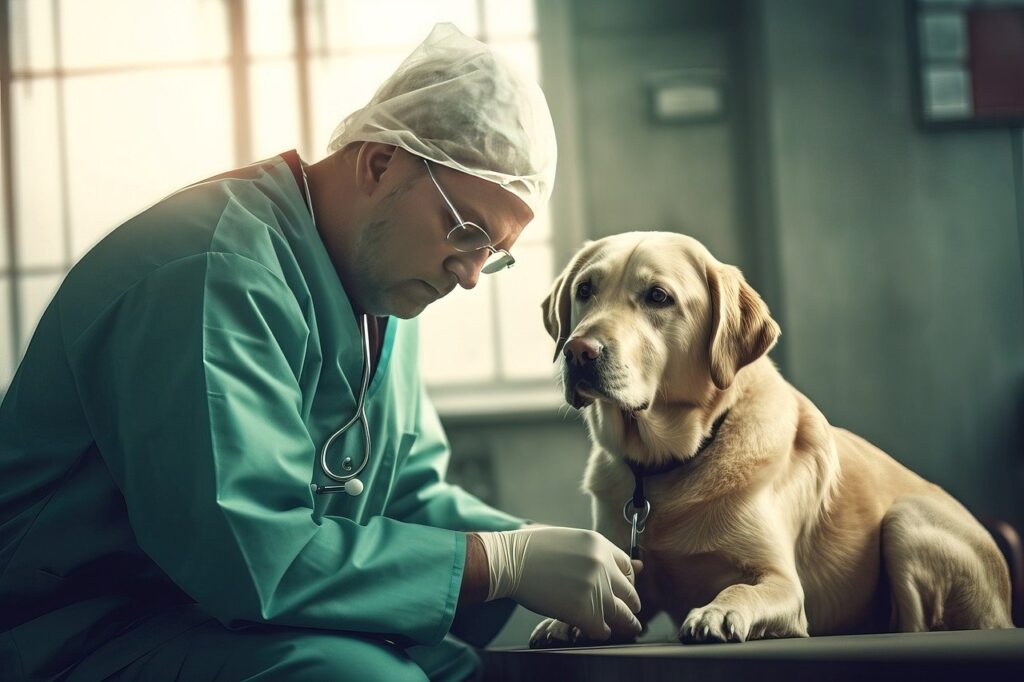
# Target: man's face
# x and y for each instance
(403, 261)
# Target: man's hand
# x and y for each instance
(576, 576)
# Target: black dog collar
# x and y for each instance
(641, 505)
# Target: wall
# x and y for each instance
(643, 175)
(898, 250)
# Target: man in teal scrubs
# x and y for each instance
(159, 443)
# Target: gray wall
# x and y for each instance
(891, 256)
(641, 175)
(898, 250)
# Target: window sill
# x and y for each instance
(507, 402)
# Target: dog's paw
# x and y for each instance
(712, 624)
(553, 634)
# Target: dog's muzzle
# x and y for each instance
(584, 359)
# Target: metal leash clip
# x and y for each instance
(637, 519)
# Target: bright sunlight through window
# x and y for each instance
(117, 103)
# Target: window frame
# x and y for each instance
(496, 394)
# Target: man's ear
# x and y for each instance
(742, 328)
(557, 307)
(372, 160)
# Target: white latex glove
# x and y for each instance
(577, 576)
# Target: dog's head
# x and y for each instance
(643, 319)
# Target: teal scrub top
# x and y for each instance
(159, 439)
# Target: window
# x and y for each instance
(116, 103)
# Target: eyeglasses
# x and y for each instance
(467, 237)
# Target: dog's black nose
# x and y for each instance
(582, 350)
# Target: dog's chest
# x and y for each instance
(686, 557)
(679, 582)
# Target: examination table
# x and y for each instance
(965, 656)
(983, 655)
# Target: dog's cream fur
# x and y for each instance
(784, 526)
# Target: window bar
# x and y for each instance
(302, 79)
(62, 137)
(103, 70)
(496, 325)
(238, 61)
(8, 180)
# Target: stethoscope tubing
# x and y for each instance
(359, 416)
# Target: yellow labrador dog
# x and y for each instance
(764, 520)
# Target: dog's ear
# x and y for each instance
(742, 329)
(557, 307)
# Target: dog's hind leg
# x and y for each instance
(944, 569)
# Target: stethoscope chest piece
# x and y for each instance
(353, 486)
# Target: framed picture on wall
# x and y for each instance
(968, 59)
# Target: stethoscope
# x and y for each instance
(347, 481)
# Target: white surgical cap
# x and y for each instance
(457, 103)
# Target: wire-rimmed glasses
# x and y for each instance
(466, 236)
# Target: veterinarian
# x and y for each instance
(218, 458)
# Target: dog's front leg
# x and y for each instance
(772, 606)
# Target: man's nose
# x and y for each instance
(467, 266)
(582, 350)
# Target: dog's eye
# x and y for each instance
(584, 290)
(658, 296)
